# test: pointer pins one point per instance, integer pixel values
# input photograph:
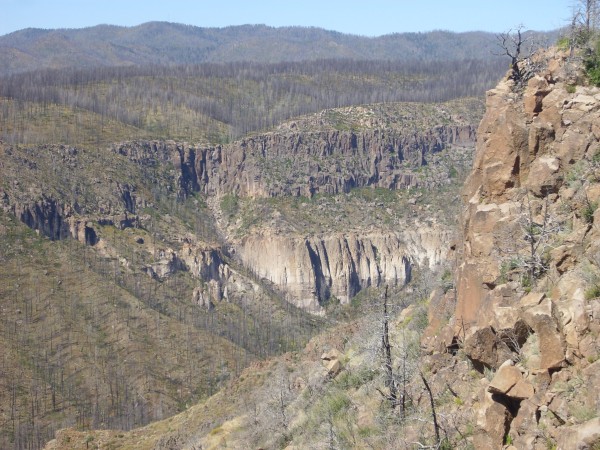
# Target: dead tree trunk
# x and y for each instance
(433, 414)
(390, 380)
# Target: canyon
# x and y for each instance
(502, 354)
(229, 253)
(197, 266)
(308, 268)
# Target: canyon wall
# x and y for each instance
(306, 163)
(309, 270)
(313, 270)
(528, 278)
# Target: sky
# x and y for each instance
(362, 17)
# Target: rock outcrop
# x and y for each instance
(528, 277)
(292, 163)
(311, 270)
(314, 270)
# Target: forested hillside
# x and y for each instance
(170, 81)
(216, 102)
(162, 43)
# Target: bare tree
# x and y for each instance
(586, 16)
(436, 425)
(520, 49)
(526, 257)
(386, 348)
(277, 409)
(583, 28)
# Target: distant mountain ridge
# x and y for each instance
(164, 43)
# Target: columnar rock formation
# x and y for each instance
(293, 163)
(310, 270)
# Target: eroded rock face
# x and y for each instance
(288, 163)
(526, 148)
(529, 254)
(315, 269)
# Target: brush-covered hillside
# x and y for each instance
(139, 278)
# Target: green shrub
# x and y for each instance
(582, 413)
(447, 281)
(447, 275)
(593, 71)
(563, 43)
(334, 404)
(353, 379)
(507, 268)
(592, 64)
(420, 319)
(588, 211)
(365, 432)
(229, 205)
(592, 292)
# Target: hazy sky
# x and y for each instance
(364, 17)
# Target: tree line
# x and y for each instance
(225, 101)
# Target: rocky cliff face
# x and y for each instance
(306, 163)
(314, 270)
(527, 286)
(135, 181)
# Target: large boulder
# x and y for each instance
(509, 381)
(331, 360)
(581, 437)
(486, 349)
(542, 320)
